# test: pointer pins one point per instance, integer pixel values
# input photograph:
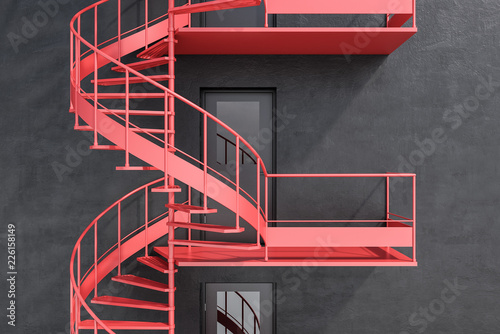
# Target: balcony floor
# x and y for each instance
(287, 257)
(291, 41)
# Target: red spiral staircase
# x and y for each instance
(102, 99)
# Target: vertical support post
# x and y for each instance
(189, 17)
(169, 140)
(119, 238)
(414, 217)
(387, 200)
(119, 30)
(72, 73)
(146, 221)
(96, 69)
(95, 259)
(78, 283)
(237, 182)
(258, 201)
(127, 117)
(146, 23)
(72, 317)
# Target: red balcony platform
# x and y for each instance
(289, 256)
(292, 41)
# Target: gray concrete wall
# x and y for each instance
(362, 114)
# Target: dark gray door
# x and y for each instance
(249, 113)
(238, 17)
(239, 308)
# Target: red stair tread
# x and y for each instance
(161, 189)
(134, 112)
(142, 282)
(142, 65)
(157, 50)
(133, 303)
(215, 244)
(132, 80)
(155, 262)
(136, 168)
(214, 5)
(191, 209)
(119, 96)
(126, 325)
(106, 147)
(207, 227)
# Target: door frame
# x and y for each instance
(274, 148)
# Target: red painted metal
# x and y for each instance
(283, 246)
(142, 282)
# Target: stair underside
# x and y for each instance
(289, 257)
(291, 41)
(142, 282)
(142, 65)
(126, 325)
(208, 228)
(132, 303)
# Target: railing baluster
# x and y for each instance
(79, 283)
(266, 200)
(237, 182)
(146, 23)
(127, 117)
(95, 259)
(119, 30)
(166, 137)
(146, 220)
(96, 68)
(205, 162)
(189, 17)
(387, 200)
(258, 201)
(119, 239)
(414, 217)
(189, 216)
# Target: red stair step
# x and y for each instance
(132, 80)
(214, 5)
(145, 64)
(126, 325)
(215, 244)
(106, 147)
(158, 49)
(134, 112)
(136, 168)
(142, 282)
(121, 96)
(133, 303)
(207, 227)
(191, 209)
(156, 262)
(169, 189)
(155, 131)
(84, 128)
